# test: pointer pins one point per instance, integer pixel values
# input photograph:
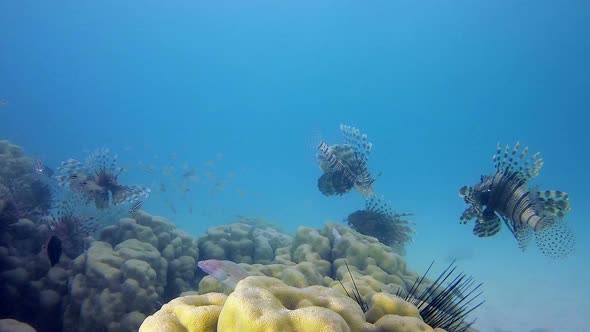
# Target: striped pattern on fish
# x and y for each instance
(343, 159)
(505, 196)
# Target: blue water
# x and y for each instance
(238, 91)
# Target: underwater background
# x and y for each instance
(216, 107)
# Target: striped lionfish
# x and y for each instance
(505, 196)
(98, 180)
(381, 222)
(345, 165)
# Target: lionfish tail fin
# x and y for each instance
(553, 203)
(521, 233)
(523, 236)
(556, 240)
(515, 160)
(359, 142)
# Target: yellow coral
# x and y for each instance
(193, 313)
(386, 304)
(391, 323)
(267, 304)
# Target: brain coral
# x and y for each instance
(138, 263)
(267, 304)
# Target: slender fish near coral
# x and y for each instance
(226, 272)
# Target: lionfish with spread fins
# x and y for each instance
(505, 197)
(381, 222)
(345, 165)
(97, 179)
(70, 225)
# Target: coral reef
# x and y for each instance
(312, 257)
(23, 193)
(243, 243)
(124, 276)
(31, 290)
(11, 325)
(114, 281)
(268, 304)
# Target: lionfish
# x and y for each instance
(98, 180)
(71, 226)
(345, 165)
(505, 197)
(379, 221)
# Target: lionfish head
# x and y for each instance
(106, 180)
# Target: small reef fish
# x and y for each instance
(54, 250)
(39, 167)
(171, 206)
(226, 272)
(135, 207)
(505, 197)
(189, 173)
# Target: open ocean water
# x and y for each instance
(229, 96)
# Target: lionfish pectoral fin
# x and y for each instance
(487, 227)
(131, 193)
(553, 203)
(468, 214)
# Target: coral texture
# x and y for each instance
(137, 264)
(268, 304)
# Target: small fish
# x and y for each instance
(189, 173)
(3, 102)
(171, 206)
(226, 272)
(54, 250)
(39, 167)
(162, 187)
(136, 206)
